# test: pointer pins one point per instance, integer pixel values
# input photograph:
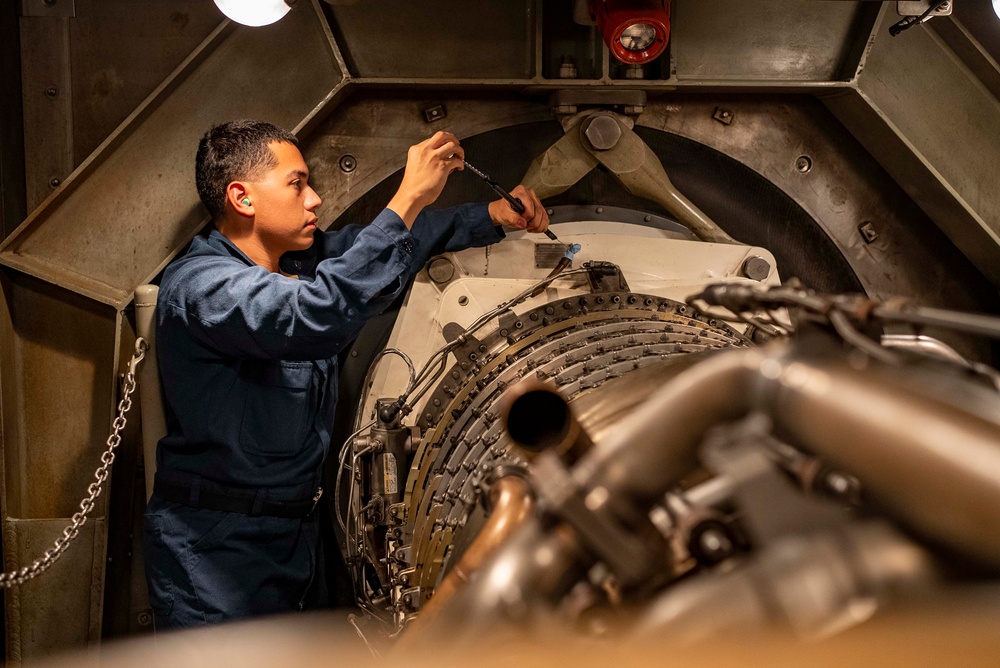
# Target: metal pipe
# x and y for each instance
(645, 457)
(512, 504)
(563, 264)
(538, 419)
(932, 465)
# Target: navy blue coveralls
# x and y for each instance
(249, 368)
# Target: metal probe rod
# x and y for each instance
(514, 202)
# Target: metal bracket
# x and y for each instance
(918, 7)
(620, 548)
(626, 156)
(605, 277)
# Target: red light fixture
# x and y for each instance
(636, 31)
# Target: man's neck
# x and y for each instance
(251, 246)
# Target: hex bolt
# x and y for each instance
(603, 132)
(634, 72)
(756, 268)
(441, 270)
(567, 70)
(548, 211)
(347, 163)
(803, 163)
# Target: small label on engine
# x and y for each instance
(389, 466)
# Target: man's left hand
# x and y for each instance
(534, 218)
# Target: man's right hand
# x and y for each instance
(428, 165)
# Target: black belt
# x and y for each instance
(232, 500)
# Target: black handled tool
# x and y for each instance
(515, 203)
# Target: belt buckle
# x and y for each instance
(315, 500)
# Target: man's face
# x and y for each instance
(284, 203)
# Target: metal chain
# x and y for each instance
(40, 565)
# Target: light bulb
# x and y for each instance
(254, 12)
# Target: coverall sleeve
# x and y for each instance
(247, 311)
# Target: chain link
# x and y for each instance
(40, 565)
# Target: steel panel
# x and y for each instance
(58, 382)
(798, 40)
(443, 39)
(934, 127)
(57, 610)
(111, 77)
(47, 101)
(133, 203)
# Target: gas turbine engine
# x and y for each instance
(417, 496)
(601, 442)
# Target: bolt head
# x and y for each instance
(868, 232)
(348, 163)
(603, 132)
(756, 268)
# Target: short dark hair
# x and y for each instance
(233, 151)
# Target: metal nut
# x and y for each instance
(435, 113)
(868, 232)
(724, 116)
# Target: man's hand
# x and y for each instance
(428, 165)
(534, 218)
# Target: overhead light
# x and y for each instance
(638, 36)
(636, 31)
(254, 12)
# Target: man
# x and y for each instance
(249, 323)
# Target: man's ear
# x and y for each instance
(239, 197)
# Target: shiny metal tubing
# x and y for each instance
(512, 504)
(932, 465)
